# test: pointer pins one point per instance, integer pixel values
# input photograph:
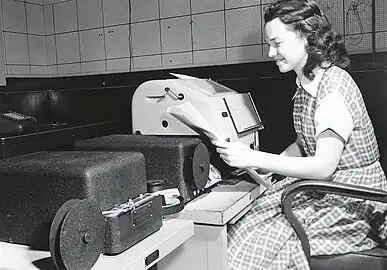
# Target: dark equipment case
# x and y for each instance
(36, 185)
(181, 162)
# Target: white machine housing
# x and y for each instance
(232, 114)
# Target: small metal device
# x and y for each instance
(80, 231)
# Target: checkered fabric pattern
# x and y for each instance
(263, 238)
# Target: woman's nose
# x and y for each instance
(272, 51)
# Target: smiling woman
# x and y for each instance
(335, 142)
(286, 47)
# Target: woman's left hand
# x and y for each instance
(236, 154)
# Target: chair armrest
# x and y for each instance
(341, 189)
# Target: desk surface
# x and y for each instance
(221, 204)
(172, 234)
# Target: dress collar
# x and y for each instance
(311, 86)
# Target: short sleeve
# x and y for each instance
(333, 113)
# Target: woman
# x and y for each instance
(335, 142)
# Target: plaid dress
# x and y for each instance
(263, 238)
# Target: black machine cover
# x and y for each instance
(36, 185)
(181, 163)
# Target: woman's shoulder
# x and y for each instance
(336, 76)
(337, 72)
(338, 80)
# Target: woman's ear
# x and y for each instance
(305, 40)
(302, 37)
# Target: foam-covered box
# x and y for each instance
(35, 186)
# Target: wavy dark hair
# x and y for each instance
(324, 44)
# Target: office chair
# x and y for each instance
(374, 259)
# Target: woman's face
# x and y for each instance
(287, 47)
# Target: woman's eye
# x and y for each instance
(278, 44)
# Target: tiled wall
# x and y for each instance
(72, 37)
(24, 37)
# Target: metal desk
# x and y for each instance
(211, 212)
(171, 235)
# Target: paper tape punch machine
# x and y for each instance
(175, 152)
(230, 114)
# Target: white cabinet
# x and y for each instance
(211, 212)
(117, 41)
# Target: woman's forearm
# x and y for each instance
(293, 150)
(300, 167)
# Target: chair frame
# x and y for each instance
(347, 190)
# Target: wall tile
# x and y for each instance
(67, 46)
(146, 38)
(176, 59)
(208, 30)
(358, 43)
(14, 16)
(115, 12)
(142, 10)
(70, 69)
(334, 10)
(48, 15)
(207, 5)
(122, 64)
(244, 53)
(52, 70)
(93, 66)
(359, 20)
(39, 70)
(92, 44)
(47, 2)
(171, 8)
(37, 50)
(381, 41)
(16, 48)
(35, 19)
(65, 17)
(210, 56)
(89, 14)
(381, 7)
(117, 41)
(150, 62)
(242, 3)
(37, 2)
(243, 27)
(176, 34)
(51, 50)
(18, 70)
(265, 53)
